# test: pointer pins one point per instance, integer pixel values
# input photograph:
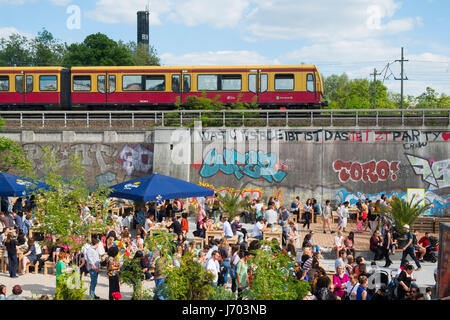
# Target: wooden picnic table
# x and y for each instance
(213, 233)
(275, 232)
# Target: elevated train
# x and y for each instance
(159, 87)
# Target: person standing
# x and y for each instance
(327, 216)
(408, 248)
(93, 265)
(213, 266)
(242, 274)
(11, 248)
(387, 243)
(307, 214)
(344, 214)
(113, 268)
(61, 266)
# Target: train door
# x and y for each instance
(186, 85)
(253, 85)
(23, 86)
(112, 82)
(101, 89)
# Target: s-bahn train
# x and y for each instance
(159, 87)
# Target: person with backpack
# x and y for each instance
(408, 248)
(233, 264)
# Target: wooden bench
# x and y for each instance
(233, 240)
(32, 264)
(424, 224)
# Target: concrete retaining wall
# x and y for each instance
(337, 164)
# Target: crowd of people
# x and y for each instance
(227, 262)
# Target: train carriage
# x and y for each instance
(162, 87)
(34, 87)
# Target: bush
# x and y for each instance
(67, 290)
(220, 293)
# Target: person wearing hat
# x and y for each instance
(408, 248)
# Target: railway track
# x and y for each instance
(257, 118)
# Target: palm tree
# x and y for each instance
(401, 212)
(232, 202)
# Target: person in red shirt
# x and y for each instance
(184, 223)
(424, 242)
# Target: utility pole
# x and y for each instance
(402, 78)
(375, 74)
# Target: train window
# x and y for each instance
(252, 83)
(101, 84)
(132, 83)
(263, 84)
(155, 83)
(186, 83)
(207, 82)
(29, 84)
(231, 82)
(48, 83)
(4, 83)
(19, 84)
(112, 84)
(176, 83)
(81, 83)
(310, 82)
(284, 82)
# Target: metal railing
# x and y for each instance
(227, 118)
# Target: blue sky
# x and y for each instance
(352, 36)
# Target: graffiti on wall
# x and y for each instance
(136, 159)
(251, 192)
(254, 164)
(436, 202)
(372, 171)
(410, 138)
(435, 173)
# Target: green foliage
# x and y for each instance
(220, 293)
(132, 275)
(402, 212)
(65, 292)
(143, 55)
(233, 202)
(46, 50)
(15, 51)
(190, 281)
(98, 50)
(272, 278)
(58, 213)
(13, 157)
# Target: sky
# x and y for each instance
(351, 36)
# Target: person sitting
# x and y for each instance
(238, 230)
(29, 257)
(341, 259)
(349, 243)
(418, 247)
(338, 243)
(259, 228)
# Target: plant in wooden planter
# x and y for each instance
(401, 212)
(232, 202)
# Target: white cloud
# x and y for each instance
(218, 13)
(5, 32)
(120, 11)
(217, 58)
(325, 19)
(61, 2)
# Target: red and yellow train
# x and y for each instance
(159, 87)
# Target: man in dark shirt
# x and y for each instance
(4, 204)
(175, 225)
(408, 248)
(17, 220)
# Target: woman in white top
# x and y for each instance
(149, 222)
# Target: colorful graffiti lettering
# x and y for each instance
(106, 179)
(435, 173)
(252, 193)
(254, 164)
(138, 159)
(371, 171)
(437, 203)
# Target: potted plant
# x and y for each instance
(401, 212)
(232, 201)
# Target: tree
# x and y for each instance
(232, 201)
(98, 50)
(12, 156)
(273, 276)
(401, 212)
(46, 50)
(58, 210)
(143, 55)
(15, 51)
